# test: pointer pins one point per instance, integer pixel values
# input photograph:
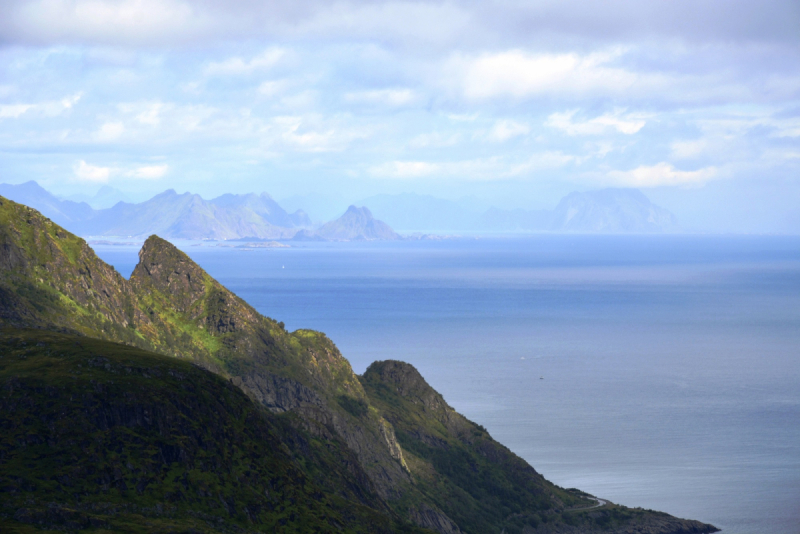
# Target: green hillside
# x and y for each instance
(97, 435)
(380, 449)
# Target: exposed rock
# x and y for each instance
(434, 519)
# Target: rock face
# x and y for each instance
(406, 454)
(611, 211)
(357, 224)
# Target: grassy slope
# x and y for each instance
(99, 435)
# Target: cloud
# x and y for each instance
(457, 23)
(405, 169)
(13, 111)
(238, 66)
(91, 173)
(625, 124)
(50, 108)
(312, 133)
(104, 21)
(661, 174)
(148, 172)
(110, 131)
(503, 130)
(520, 74)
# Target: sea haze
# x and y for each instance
(661, 372)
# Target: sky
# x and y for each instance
(506, 103)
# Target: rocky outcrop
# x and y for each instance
(276, 393)
(434, 519)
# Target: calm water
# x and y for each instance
(661, 372)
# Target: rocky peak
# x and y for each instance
(164, 268)
(404, 379)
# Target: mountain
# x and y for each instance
(64, 212)
(356, 224)
(175, 216)
(611, 211)
(601, 211)
(189, 216)
(105, 197)
(211, 417)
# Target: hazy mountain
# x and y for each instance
(356, 224)
(165, 403)
(64, 212)
(188, 216)
(409, 212)
(602, 211)
(611, 211)
(105, 197)
(185, 216)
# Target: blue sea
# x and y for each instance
(660, 372)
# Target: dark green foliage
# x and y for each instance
(95, 434)
(355, 407)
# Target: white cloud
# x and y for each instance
(239, 66)
(110, 131)
(503, 130)
(148, 172)
(388, 97)
(661, 174)
(405, 169)
(310, 133)
(50, 108)
(520, 74)
(626, 124)
(91, 173)
(13, 111)
(114, 21)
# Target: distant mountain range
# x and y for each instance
(611, 210)
(259, 217)
(176, 216)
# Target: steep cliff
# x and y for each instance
(405, 450)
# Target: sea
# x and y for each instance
(660, 372)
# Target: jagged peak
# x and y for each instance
(405, 380)
(162, 264)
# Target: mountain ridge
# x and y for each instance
(411, 458)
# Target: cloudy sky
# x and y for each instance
(507, 103)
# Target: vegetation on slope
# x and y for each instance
(438, 470)
(96, 435)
